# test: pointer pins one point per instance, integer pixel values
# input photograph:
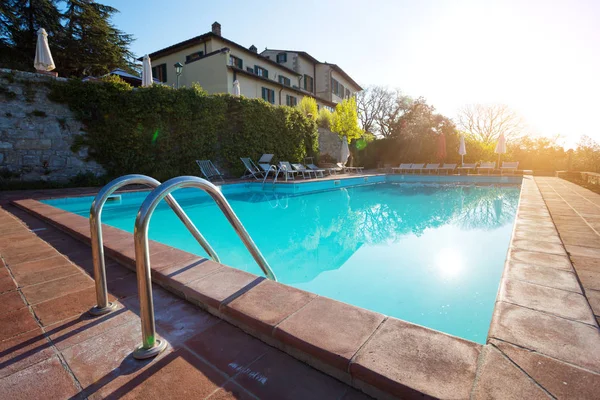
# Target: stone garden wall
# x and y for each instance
(329, 143)
(36, 134)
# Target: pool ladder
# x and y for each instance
(151, 346)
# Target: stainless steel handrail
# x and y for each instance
(150, 345)
(103, 306)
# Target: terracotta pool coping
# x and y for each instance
(540, 314)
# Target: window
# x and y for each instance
(341, 90)
(284, 81)
(260, 71)
(282, 57)
(250, 69)
(335, 86)
(160, 72)
(348, 95)
(194, 56)
(330, 109)
(308, 83)
(268, 95)
(236, 62)
(290, 100)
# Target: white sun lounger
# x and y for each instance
(304, 171)
(509, 167)
(209, 170)
(432, 167)
(350, 169)
(448, 168)
(287, 170)
(468, 167)
(316, 169)
(401, 168)
(417, 167)
(252, 170)
(487, 166)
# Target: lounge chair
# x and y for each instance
(316, 169)
(401, 168)
(350, 169)
(252, 170)
(432, 167)
(417, 167)
(265, 159)
(467, 167)
(448, 168)
(509, 166)
(305, 171)
(209, 170)
(287, 170)
(267, 168)
(487, 166)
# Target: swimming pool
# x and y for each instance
(431, 253)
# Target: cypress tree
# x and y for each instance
(92, 46)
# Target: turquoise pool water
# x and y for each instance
(428, 253)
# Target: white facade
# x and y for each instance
(215, 63)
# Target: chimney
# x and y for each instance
(216, 28)
(253, 49)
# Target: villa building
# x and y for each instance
(281, 77)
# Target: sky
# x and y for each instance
(541, 58)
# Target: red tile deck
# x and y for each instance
(543, 339)
(54, 347)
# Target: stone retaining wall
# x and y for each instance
(329, 143)
(36, 134)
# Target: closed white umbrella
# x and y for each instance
(462, 149)
(43, 58)
(236, 88)
(345, 152)
(500, 147)
(146, 71)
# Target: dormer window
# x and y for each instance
(281, 58)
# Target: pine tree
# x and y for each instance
(92, 45)
(19, 23)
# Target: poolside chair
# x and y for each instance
(333, 170)
(252, 170)
(287, 170)
(487, 166)
(432, 167)
(448, 168)
(265, 159)
(267, 168)
(349, 169)
(401, 168)
(304, 171)
(416, 167)
(209, 170)
(509, 166)
(467, 167)
(316, 169)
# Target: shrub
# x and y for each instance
(325, 118)
(160, 131)
(308, 107)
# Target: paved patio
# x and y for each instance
(543, 340)
(50, 346)
(576, 214)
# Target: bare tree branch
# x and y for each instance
(487, 121)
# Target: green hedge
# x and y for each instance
(160, 131)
